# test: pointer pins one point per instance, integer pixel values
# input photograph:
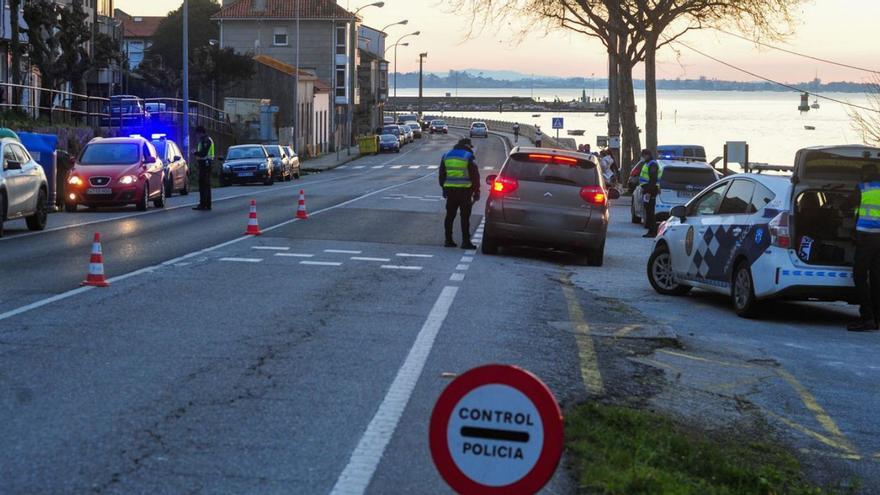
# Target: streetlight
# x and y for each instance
(414, 33)
(374, 4)
(401, 23)
(185, 79)
(353, 77)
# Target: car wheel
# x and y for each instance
(224, 182)
(296, 175)
(270, 180)
(742, 292)
(37, 221)
(489, 245)
(169, 186)
(70, 207)
(160, 201)
(596, 256)
(141, 205)
(185, 190)
(660, 273)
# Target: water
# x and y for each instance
(768, 121)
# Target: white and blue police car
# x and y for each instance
(757, 237)
(679, 182)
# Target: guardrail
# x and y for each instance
(525, 130)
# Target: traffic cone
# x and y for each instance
(253, 227)
(95, 277)
(301, 212)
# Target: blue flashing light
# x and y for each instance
(160, 136)
(134, 135)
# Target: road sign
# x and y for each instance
(558, 123)
(496, 429)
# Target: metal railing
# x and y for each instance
(525, 130)
(63, 106)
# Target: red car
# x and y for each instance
(116, 172)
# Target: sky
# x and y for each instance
(844, 31)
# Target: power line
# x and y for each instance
(767, 79)
(792, 52)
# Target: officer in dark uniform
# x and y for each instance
(650, 177)
(204, 159)
(866, 270)
(460, 180)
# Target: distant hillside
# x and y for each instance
(467, 79)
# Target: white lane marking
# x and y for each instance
(471, 252)
(433, 167)
(320, 263)
(181, 265)
(243, 260)
(410, 255)
(488, 168)
(378, 166)
(362, 258)
(396, 167)
(429, 199)
(361, 467)
(271, 248)
(414, 167)
(359, 166)
(149, 269)
(400, 267)
(467, 259)
(462, 267)
(457, 277)
(342, 251)
(295, 255)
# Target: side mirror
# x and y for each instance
(679, 212)
(490, 179)
(613, 193)
(13, 165)
(177, 158)
(149, 160)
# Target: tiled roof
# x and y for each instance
(283, 9)
(282, 67)
(138, 26)
(321, 85)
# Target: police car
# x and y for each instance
(679, 182)
(758, 237)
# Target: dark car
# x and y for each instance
(247, 163)
(176, 168)
(389, 142)
(439, 127)
(394, 129)
(548, 198)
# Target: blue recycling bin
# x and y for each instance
(43, 147)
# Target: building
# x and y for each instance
(137, 36)
(325, 46)
(372, 79)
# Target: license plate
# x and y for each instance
(686, 194)
(245, 174)
(100, 190)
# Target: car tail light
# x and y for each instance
(780, 235)
(635, 172)
(504, 185)
(594, 195)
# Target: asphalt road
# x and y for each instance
(307, 360)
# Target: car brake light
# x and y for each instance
(780, 235)
(504, 185)
(594, 195)
(552, 159)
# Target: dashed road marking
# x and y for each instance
(401, 267)
(590, 372)
(342, 251)
(462, 267)
(411, 255)
(396, 167)
(433, 167)
(414, 167)
(242, 260)
(362, 258)
(457, 277)
(320, 263)
(295, 255)
(359, 166)
(471, 252)
(379, 166)
(270, 248)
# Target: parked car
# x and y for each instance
(395, 130)
(116, 172)
(403, 119)
(762, 237)
(125, 110)
(176, 168)
(295, 166)
(24, 190)
(679, 183)
(389, 142)
(681, 152)
(247, 163)
(438, 127)
(479, 129)
(388, 119)
(407, 132)
(281, 169)
(548, 198)
(416, 129)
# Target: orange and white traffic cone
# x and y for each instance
(301, 212)
(95, 277)
(253, 227)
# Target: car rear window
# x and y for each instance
(110, 154)
(479, 124)
(274, 151)
(830, 166)
(388, 137)
(535, 168)
(685, 178)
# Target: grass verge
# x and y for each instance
(618, 450)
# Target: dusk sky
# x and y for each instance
(845, 31)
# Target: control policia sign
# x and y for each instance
(496, 429)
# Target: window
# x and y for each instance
(761, 198)
(707, 204)
(109, 154)
(21, 154)
(738, 199)
(341, 42)
(8, 156)
(583, 174)
(340, 80)
(147, 151)
(280, 37)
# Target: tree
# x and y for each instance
(15, 46)
(867, 122)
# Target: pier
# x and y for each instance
(493, 104)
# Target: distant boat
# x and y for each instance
(536, 115)
(810, 127)
(600, 114)
(576, 132)
(815, 104)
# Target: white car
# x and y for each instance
(758, 237)
(479, 129)
(679, 183)
(23, 187)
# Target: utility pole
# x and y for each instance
(422, 57)
(296, 122)
(185, 79)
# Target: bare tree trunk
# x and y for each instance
(15, 69)
(631, 143)
(651, 92)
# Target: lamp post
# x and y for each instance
(422, 57)
(353, 78)
(185, 79)
(401, 23)
(414, 33)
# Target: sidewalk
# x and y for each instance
(329, 161)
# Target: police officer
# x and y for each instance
(204, 159)
(516, 132)
(538, 136)
(460, 180)
(866, 271)
(649, 180)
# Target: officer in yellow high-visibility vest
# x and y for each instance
(866, 270)
(650, 181)
(204, 159)
(460, 180)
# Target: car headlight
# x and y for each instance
(75, 181)
(263, 166)
(128, 179)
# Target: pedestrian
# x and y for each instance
(538, 136)
(460, 180)
(649, 180)
(587, 149)
(204, 159)
(515, 132)
(607, 162)
(866, 270)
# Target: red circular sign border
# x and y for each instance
(533, 388)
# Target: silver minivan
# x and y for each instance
(23, 187)
(548, 198)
